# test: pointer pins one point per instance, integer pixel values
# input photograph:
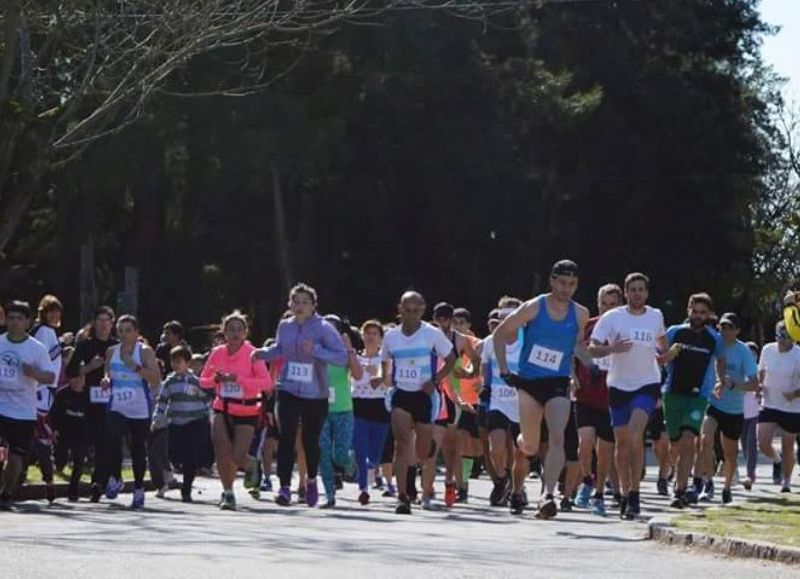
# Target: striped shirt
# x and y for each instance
(181, 401)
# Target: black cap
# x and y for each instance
(732, 319)
(565, 267)
(443, 310)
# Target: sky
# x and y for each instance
(782, 51)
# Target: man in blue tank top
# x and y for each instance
(553, 327)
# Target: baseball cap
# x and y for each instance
(443, 310)
(731, 319)
(564, 267)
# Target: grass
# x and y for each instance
(35, 475)
(774, 520)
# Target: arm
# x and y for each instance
(387, 373)
(506, 332)
(353, 365)
(162, 401)
(474, 358)
(41, 369)
(208, 378)
(330, 348)
(258, 377)
(581, 350)
(74, 365)
(272, 352)
(149, 370)
(449, 362)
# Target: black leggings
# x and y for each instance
(117, 426)
(291, 410)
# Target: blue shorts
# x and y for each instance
(623, 403)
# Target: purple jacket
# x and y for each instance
(305, 375)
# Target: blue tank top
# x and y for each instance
(548, 345)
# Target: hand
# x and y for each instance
(718, 388)
(621, 346)
(307, 347)
(105, 383)
(95, 363)
(28, 370)
(511, 379)
(466, 406)
(256, 356)
(219, 377)
(376, 383)
(428, 387)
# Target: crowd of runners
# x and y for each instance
(551, 393)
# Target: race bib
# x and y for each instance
(331, 395)
(98, 395)
(505, 392)
(409, 371)
(300, 372)
(643, 337)
(546, 358)
(123, 395)
(231, 390)
(8, 372)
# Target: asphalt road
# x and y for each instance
(171, 539)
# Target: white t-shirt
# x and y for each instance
(362, 388)
(782, 374)
(17, 391)
(414, 357)
(631, 370)
(751, 405)
(502, 396)
(47, 336)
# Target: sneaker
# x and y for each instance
(378, 483)
(228, 502)
(748, 484)
(427, 503)
(403, 506)
(566, 505)
(516, 504)
(499, 490)
(584, 495)
(777, 472)
(463, 495)
(162, 492)
(708, 492)
(312, 493)
(97, 492)
(301, 494)
(284, 497)
(623, 507)
(113, 488)
(390, 491)
(547, 509)
(186, 496)
(255, 493)
(251, 477)
(329, 504)
(450, 494)
(690, 497)
(677, 502)
(266, 486)
(633, 508)
(5, 502)
(50, 493)
(727, 496)
(363, 498)
(599, 507)
(661, 487)
(617, 498)
(138, 499)
(785, 488)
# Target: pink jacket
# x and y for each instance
(241, 398)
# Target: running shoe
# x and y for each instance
(97, 492)
(463, 495)
(499, 491)
(450, 494)
(251, 477)
(403, 506)
(427, 503)
(516, 505)
(255, 493)
(708, 492)
(584, 495)
(390, 491)
(50, 493)
(312, 493)
(661, 487)
(634, 508)
(72, 495)
(113, 488)
(565, 505)
(785, 488)
(777, 472)
(599, 507)
(266, 486)
(329, 504)
(748, 484)
(378, 484)
(690, 496)
(363, 498)
(677, 502)
(623, 507)
(547, 509)
(727, 496)
(228, 502)
(284, 497)
(138, 499)
(5, 502)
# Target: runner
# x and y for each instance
(336, 438)
(182, 406)
(595, 433)
(87, 366)
(553, 327)
(778, 371)
(694, 347)
(308, 344)
(68, 417)
(240, 382)
(656, 432)
(130, 370)
(492, 321)
(409, 355)
(752, 405)
(633, 335)
(24, 364)
(371, 418)
(726, 410)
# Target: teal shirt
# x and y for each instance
(339, 397)
(741, 366)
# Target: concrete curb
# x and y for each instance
(661, 529)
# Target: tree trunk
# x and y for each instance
(281, 237)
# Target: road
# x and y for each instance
(171, 539)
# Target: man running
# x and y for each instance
(553, 326)
(24, 364)
(634, 334)
(726, 411)
(694, 347)
(595, 433)
(409, 355)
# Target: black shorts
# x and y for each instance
(570, 435)
(483, 416)
(239, 420)
(450, 407)
(543, 389)
(417, 404)
(730, 425)
(590, 417)
(496, 420)
(788, 421)
(18, 434)
(469, 423)
(655, 426)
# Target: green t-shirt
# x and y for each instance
(339, 398)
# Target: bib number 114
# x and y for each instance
(546, 358)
